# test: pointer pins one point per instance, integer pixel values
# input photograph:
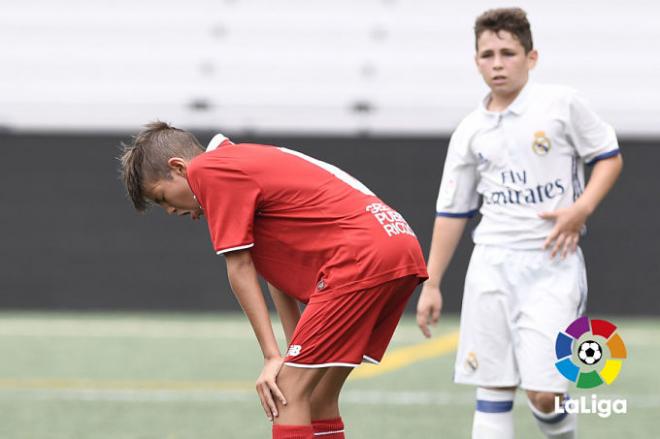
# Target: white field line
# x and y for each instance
(232, 330)
(150, 329)
(136, 328)
(358, 397)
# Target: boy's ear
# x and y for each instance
(532, 58)
(178, 165)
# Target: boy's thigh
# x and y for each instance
(548, 303)
(398, 293)
(485, 355)
(339, 331)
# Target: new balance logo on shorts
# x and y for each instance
(294, 350)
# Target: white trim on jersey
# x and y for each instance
(368, 359)
(240, 247)
(318, 366)
(339, 173)
(216, 141)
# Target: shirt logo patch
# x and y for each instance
(321, 285)
(294, 350)
(471, 363)
(541, 144)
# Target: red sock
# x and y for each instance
(329, 428)
(293, 431)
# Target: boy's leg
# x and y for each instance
(326, 419)
(553, 425)
(297, 384)
(485, 356)
(493, 417)
(294, 420)
(551, 296)
(333, 335)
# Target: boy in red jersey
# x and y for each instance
(315, 234)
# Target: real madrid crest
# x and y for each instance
(541, 144)
(471, 363)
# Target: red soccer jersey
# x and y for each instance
(311, 227)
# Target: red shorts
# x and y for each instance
(350, 328)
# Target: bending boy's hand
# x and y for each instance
(428, 308)
(267, 386)
(565, 236)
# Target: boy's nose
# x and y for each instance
(171, 210)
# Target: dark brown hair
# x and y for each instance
(144, 159)
(512, 20)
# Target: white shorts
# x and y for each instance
(514, 305)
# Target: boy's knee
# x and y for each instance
(324, 406)
(297, 383)
(542, 401)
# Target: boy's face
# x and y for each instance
(174, 194)
(503, 63)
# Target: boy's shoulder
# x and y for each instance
(556, 92)
(556, 98)
(470, 124)
(244, 158)
(224, 153)
(219, 157)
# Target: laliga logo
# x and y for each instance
(590, 352)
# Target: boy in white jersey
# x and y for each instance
(522, 153)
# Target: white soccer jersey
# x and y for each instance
(523, 161)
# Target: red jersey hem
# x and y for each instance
(363, 284)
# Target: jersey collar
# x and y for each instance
(517, 107)
(217, 141)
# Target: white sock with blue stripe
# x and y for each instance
(556, 425)
(493, 418)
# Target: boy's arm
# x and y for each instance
(288, 310)
(243, 279)
(447, 233)
(569, 221)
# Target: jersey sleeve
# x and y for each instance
(230, 200)
(592, 138)
(458, 197)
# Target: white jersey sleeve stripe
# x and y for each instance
(231, 249)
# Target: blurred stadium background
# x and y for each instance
(117, 325)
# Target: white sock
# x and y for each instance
(493, 418)
(556, 425)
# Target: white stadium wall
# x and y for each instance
(343, 67)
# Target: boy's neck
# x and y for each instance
(500, 102)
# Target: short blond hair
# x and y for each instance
(144, 159)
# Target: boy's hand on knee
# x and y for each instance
(565, 236)
(428, 308)
(267, 386)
